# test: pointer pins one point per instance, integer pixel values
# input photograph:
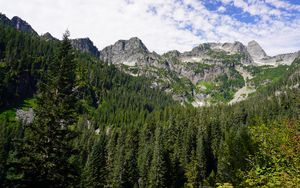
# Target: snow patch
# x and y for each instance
(130, 63)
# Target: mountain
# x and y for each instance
(209, 73)
(100, 127)
(47, 36)
(128, 52)
(281, 59)
(5, 20)
(85, 45)
(22, 25)
(17, 23)
(255, 50)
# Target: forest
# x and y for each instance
(95, 126)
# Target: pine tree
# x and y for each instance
(201, 159)
(48, 140)
(131, 144)
(4, 149)
(95, 172)
(157, 173)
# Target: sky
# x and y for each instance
(165, 25)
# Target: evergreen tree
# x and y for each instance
(157, 173)
(4, 149)
(201, 159)
(48, 140)
(95, 172)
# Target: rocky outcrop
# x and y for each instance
(282, 59)
(128, 52)
(207, 52)
(22, 25)
(261, 58)
(255, 50)
(85, 45)
(25, 116)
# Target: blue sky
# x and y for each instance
(167, 24)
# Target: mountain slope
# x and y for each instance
(182, 74)
(208, 74)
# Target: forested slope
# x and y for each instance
(98, 127)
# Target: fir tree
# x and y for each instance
(95, 172)
(158, 169)
(48, 140)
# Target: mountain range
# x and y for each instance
(209, 73)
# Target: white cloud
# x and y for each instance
(221, 9)
(283, 5)
(161, 24)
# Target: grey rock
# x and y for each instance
(25, 117)
(85, 45)
(125, 52)
(282, 59)
(255, 50)
(203, 52)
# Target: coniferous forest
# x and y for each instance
(95, 126)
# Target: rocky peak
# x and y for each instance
(232, 48)
(173, 53)
(124, 51)
(22, 25)
(5, 20)
(238, 47)
(133, 44)
(85, 45)
(47, 36)
(255, 50)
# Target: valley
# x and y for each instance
(219, 115)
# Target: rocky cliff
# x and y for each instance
(128, 52)
(255, 50)
(85, 45)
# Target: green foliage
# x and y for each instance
(223, 88)
(157, 173)
(45, 152)
(266, 75)
(95, 171)
(277, 161)
(133, 136)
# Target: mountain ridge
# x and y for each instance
(207, 74)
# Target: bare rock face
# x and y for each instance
(282, 59)
(231, 48)
(260, 57)
(126, 52)
(22, 25)
(255, 50)
(25, 117)
(207, 52)
(85, 45)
